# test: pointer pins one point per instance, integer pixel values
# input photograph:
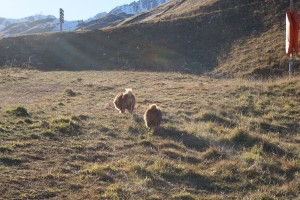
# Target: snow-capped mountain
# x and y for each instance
(34, 24)
(6, 22)
(137, 7)
(96, 17)
(122, 12)
(36, 17)
(39, 23)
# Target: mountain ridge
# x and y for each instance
(48, 23)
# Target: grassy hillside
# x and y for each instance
(245, 38)
(103, 21)
(225, 38)
(61, 137)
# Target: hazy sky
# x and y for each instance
(74, 9)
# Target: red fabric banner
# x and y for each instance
(292, 32)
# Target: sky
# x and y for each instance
(73, 9)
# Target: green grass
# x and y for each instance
(65, 126)
(220, 139)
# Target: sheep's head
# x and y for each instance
(153, 107)
(128, 91)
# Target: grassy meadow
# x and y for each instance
(62, 138)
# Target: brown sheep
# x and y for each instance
(153, 117)
(125, 101)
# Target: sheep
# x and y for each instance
(153, 117)
(125, 101)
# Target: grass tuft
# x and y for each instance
(116, 191)
(183, 196)
(65, 126)
(241, 137)
(18, 111)
(104, 172)
(69, 92)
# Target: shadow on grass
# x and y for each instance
(177, 156)
(242, 139)
(212, 117)
(169, 174)
(187, 139)
(285, 128)
(10, 161)
(199, 181)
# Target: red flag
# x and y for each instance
(289, 33)
(292, 32)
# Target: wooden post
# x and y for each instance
(291, 5)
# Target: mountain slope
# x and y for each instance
(122, 12)
(248, 38)
(104, 21)
(226, 38)
(137, 7)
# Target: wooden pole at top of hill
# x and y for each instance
(291, 5)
